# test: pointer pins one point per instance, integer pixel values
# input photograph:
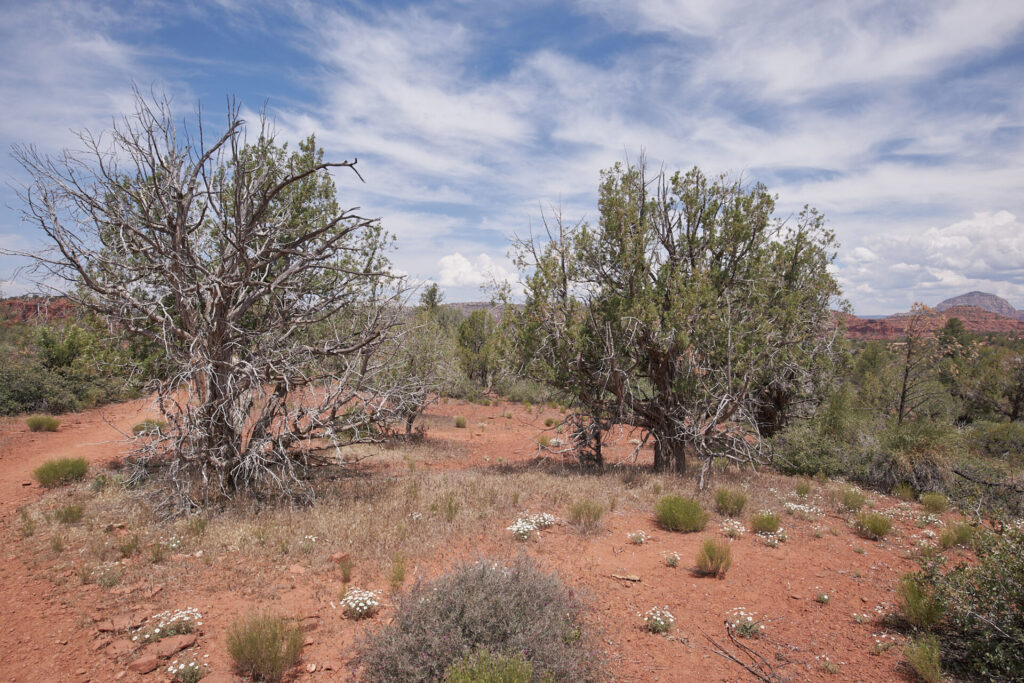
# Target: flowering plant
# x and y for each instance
(360, 604)
(659, 620)
(170, 623)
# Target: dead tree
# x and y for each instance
(230, 253)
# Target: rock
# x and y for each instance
(120, 675)
(165, 647)
(311, 667)
(144, 664)
(296, 569)
(310, 623)
(120, 647)
(627, 577)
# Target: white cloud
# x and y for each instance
(458, 271)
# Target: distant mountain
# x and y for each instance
(984, 301)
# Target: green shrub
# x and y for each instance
(934, 502)
(585, 514)
(852, 500)
(917, 602)
(765, 522)
(923, 656)
(872, 525)
(904, 491)
(69, 514)
(264, 646)
(983, 629)
(550, 422)
(961, 534)
(61, 471)
(149, 427)
(460, 422)
(676, 513)
(543, 440)
(483, 667)
(508, 610)
(42, 423)
(729, 502)
(714, 558)
(1001, 440)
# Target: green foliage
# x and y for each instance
(934, 502)
(585, 515)
(483, 667)
(872, 525)
(666, 251)
(803, 489)
(149, 427)
(919, 606)
(904, 491)
(676, 513)
(508, 610)
(923, 656)
(42, 423)
(460, 422)
(1002, 440)
(60, 471)
(478, 347)
(714, 558)
(765, 522)
(264, 646)
(730, 502)
(982, 632)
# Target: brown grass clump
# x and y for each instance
(265, 646)
(714, 558)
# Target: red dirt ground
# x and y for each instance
(49, 632)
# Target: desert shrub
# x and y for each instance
(904, 491)
(550, 422)
(659, 620)
(147, 427)
(483, 667)
(764, 522)
(872, 525)
(960, 534)
(934, 502)
(923, 656)
(357, 603)
(917, 602)
(982, 633)
(803, 488)
(42, 423)
(714, 558)
(585, 514)
(543, 440)
(60, 471)
(460, 422)
(730, 502)
(509, 610)
(264, 646)
(852, 500)
(676, 513)
(68, 514)
(1002, 440)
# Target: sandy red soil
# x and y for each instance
(51, 632)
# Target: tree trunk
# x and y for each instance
(669, 453)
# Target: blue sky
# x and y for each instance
(902, 121)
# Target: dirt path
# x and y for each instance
(41, 639)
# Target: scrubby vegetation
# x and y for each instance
(60, 471)
(508, 610)
(42, 423)
(264, 646)
(714, 558)
(676, 513)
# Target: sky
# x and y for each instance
(902, 121)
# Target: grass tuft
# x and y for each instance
(585, 514)
(960, 534)
(765, 522)
(264, 646)
(483, 667)
(924, 658)
(729, 502)
(714, 558)
(460, 422)
(918, 604)
(934, 502)
(69, 514)
(852, 500)
(60, 471)
(676, 513)
(872, 525)
(42, 423)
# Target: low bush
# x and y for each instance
(904, 491)
(659, 620)
(61, 471)
(714, 558)
(69, 514)
(852, 500)
(803, 489)
(1001, 440)
(729, 502)
(265, 646)
(460, 422)
(585, 514)
(483, 667)
(509, 610)
(923, 656)
(550, 422)
(149, 427)
(765, 522)
(42, 423)
(676, 513)
(934, 502)
(872, 525)
(960, 534)
(917, 602)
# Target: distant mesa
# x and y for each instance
(20, 309)
(980, 313)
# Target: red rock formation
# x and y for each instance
(35, 308)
